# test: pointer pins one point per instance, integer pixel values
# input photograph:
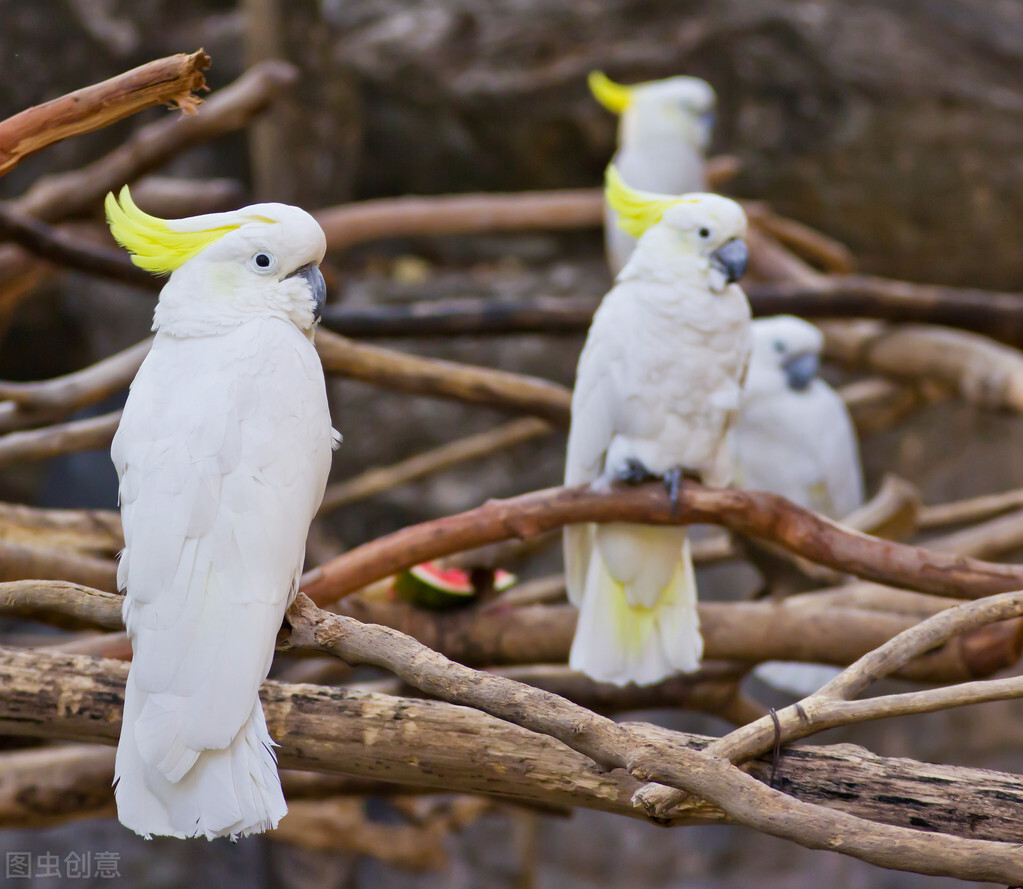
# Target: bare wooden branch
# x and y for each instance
(612, 745)
(84, 530)
(982, 372)
(497, 389)
(365, 221)
(502, 634)
(94, 433)
(169, 81)
(62, 395)
(379, 479)
(756, 513)
(434, 744)
(53, 244)
(970, 510)
(231, 108)
(995, 315)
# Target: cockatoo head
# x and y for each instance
(785, 356)
(691, 234)
(677, 108)
(226, 268)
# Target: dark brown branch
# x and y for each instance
(54, 245)
(759, 514)
(169, 81)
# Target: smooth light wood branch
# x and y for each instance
(94, 433)
(357, 223)
(496, 389)
(502, 634)
(756, 513)
(62, 395)
(169, 81)
(984, 540)
(512, 635)
(972, 509)
(379, 479)
(84, 530)
(981, 371)
(615, 746)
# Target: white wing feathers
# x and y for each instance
(214, 544)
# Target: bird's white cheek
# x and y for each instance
(716, 279)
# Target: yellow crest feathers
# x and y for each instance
(154, 246)
(615, 97)
(637, 210)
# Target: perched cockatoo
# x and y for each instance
(222, 453)
(795, 438)
(663, 136)
(656, 394)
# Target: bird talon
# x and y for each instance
(633, 473)
(672, 483)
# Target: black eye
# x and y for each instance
(779, 346)
(704, 232)
(263, 260)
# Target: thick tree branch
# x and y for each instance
(169, 81)
(94, 433)
(756, 513)
(613, 746)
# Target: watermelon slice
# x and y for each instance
(430, 585)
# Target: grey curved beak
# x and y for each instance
(317, 286)
(801, 370)
(730, 259)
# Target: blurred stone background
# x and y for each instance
(894, 125)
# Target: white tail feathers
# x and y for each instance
(619, 642)
(230, 792)
(795, 678)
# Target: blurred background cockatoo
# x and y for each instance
(795, 437)
(657, 391)
(222, 452)
(664, 131)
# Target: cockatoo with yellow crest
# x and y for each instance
(222, 453)
(663, 135)
(795, 438)
(657, 392)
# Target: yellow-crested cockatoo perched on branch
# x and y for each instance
(795, 437)
(663, 135)
(657, 392)
(222, 452)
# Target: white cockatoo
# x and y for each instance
(663, 135)
(656, 394)
(222, 453)
(795, 437)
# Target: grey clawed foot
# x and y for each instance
(672, 483)
(634, 473)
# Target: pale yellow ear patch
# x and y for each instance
(153, 245)
(615, 97)
(637, 210)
